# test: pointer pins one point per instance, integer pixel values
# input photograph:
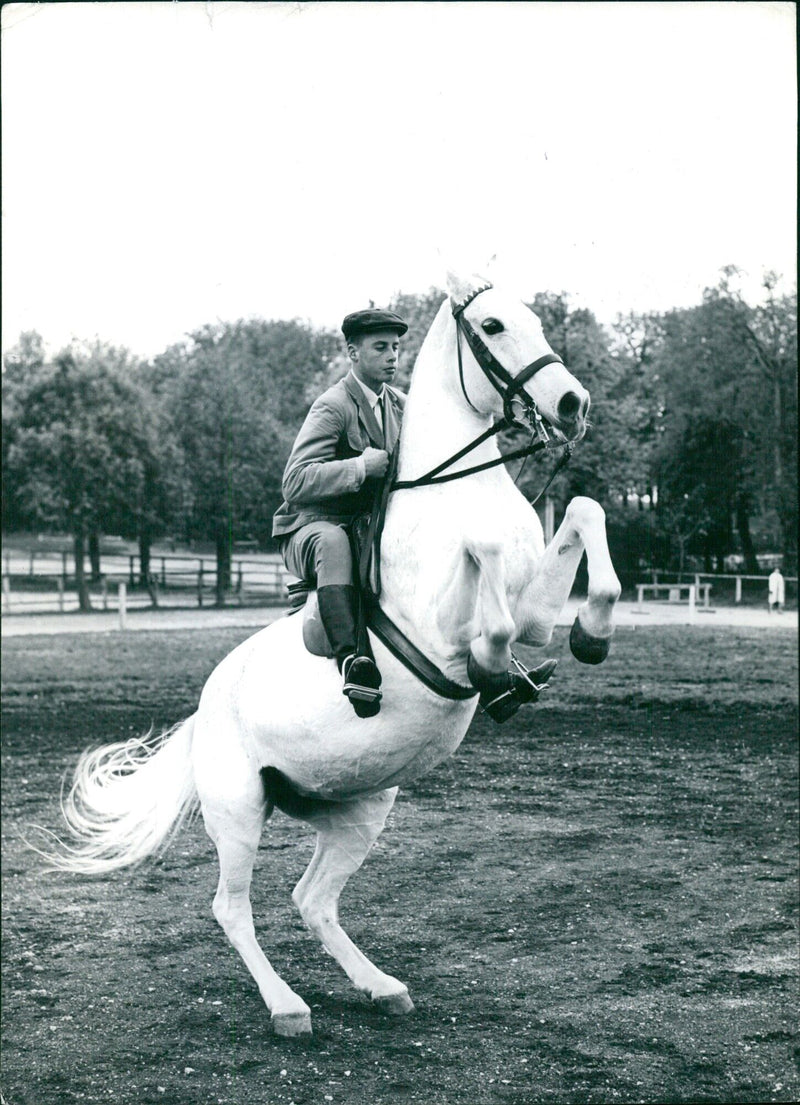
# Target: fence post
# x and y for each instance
(60, 595)
(123, 605)
(200, 584)
(104, 592)
(738, 589)
(64, 568)
(163, 572)
(131, 579)
(692, 602)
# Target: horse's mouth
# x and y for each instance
(572, 431)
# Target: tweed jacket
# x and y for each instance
(325, 478)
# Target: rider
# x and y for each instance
(339, 456)
(338, 459)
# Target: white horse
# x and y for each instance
(464, 570)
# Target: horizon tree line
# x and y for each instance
(692, 451)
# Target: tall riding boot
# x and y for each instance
(361, 676)
(502, 693)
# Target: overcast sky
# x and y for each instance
(167, 165)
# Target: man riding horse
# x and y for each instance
(338, 460)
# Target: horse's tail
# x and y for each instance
(127, 801)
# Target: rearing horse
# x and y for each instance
(465, 573)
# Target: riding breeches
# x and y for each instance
(319, 552)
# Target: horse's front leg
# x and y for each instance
(543, 598)
(473, 609)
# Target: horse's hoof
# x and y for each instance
(291, 1024)
(585, 647)
(395, 1004)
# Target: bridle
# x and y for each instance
(510, 388)
(511, 391)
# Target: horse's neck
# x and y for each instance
(438, 421)
(425, 527)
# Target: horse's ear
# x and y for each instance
(461, 287)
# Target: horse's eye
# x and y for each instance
(492, 325)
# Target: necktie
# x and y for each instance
(380, 414)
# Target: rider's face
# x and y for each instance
(374, 358)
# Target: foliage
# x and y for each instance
(691, 446)
(728, 371)
(80, 445)
(21, 365)
(236, 394)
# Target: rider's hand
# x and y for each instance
(376, 461)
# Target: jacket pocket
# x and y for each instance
(355, 441)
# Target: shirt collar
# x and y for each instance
(372, 397)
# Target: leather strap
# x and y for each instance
(409, 655)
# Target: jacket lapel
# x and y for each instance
(391, 415)
(356, 393)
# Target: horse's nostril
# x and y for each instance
(569, 406)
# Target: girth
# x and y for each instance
(408, 654)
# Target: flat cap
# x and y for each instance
(364, 322)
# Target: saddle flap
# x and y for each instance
(314, 636)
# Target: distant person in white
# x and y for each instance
(777, 591)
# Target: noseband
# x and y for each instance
(510, 388)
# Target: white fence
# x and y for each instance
(704, 580)
(45, 581)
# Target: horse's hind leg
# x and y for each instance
(234, 821)
(345, 834)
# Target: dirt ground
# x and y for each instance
(596, 902)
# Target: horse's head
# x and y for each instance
(506, 364)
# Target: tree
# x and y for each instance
(21, 365)
(699, 481)
(768, 333)
(76, 460)
(237, 393)
(734, 365)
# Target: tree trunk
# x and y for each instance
(144, 554)
(94, 556)
(778, 411)
(708, 553)
(223, 562)
(84, 602)
(681, 553)
(743, 526)
(145, 575)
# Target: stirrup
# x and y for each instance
(503, 693)
(363, 689)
